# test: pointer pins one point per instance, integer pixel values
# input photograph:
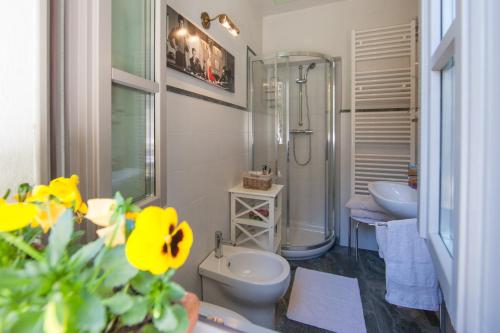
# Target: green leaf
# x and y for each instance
(175, 291)
(117, 268)
(119, 303)
(143, 282)
(29, 322)
(87, 313)
(149, 329)
(137, 312)
(60, 236)
(6, 195)
(86, 253)
(10, 279)
(23, 191)
(168, 275)
(182, 319)
(167, 322)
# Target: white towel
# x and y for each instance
(365, 202)
(368, 214)
(381, 235)
(410, 276)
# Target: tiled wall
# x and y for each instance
(207, 151)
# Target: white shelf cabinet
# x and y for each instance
(256, 217)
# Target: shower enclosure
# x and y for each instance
(294, 99)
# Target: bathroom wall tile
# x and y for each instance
(177, 146)
(208, 150)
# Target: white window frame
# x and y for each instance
(107, 75)
(436, 52)
(466, 279)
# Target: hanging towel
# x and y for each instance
(381, 235)
(410, 276)
(368, 214)
(364, 202)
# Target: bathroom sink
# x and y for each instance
(397, 199)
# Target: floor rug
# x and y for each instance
(327, 301)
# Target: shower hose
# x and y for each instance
(309, 136)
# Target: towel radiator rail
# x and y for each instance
(383, 104)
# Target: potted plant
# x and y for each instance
(51, 281)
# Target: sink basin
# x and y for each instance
(397, 199)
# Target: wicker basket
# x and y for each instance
(257, 182)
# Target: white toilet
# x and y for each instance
(247, 281)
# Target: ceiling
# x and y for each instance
(270, 7)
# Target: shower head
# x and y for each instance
(312, 65)
(303, 78)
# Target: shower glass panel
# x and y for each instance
(292, 101)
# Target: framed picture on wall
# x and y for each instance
(191, 51)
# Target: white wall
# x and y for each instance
(20, 87)
(207, 144)
(327, 29)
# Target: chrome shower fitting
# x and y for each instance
(302, 80)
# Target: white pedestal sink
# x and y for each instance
(397, 199)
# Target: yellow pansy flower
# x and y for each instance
(100, 212)
(64, 189)
(157, 243)
(14, 216)
(47, 215)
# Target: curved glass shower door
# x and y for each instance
(293, 124)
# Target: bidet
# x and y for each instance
(247, 281)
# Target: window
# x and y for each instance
(136, 101)
(441, 144)
(448, 138)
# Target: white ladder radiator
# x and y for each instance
(383, 104)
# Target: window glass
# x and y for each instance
(132, 37)
(447, 15)
(448, 138)
(132, 142)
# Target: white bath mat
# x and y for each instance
(327, 301)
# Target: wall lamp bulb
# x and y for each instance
(224, 20)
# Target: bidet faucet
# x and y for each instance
(218, 244)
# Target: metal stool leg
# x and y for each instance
(357, 239)
(349, 241)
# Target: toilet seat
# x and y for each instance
(232, 321)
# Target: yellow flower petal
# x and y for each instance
(182, 240)
(83, 209)
(131, 215)
(48, 215)
(156, 218)
(156, 244)
(145, 252)
(40, 193)
(66, 191)
(14, 216)
(100, 211)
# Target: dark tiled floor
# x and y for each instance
(380, 316)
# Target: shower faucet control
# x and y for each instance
(301, 131)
